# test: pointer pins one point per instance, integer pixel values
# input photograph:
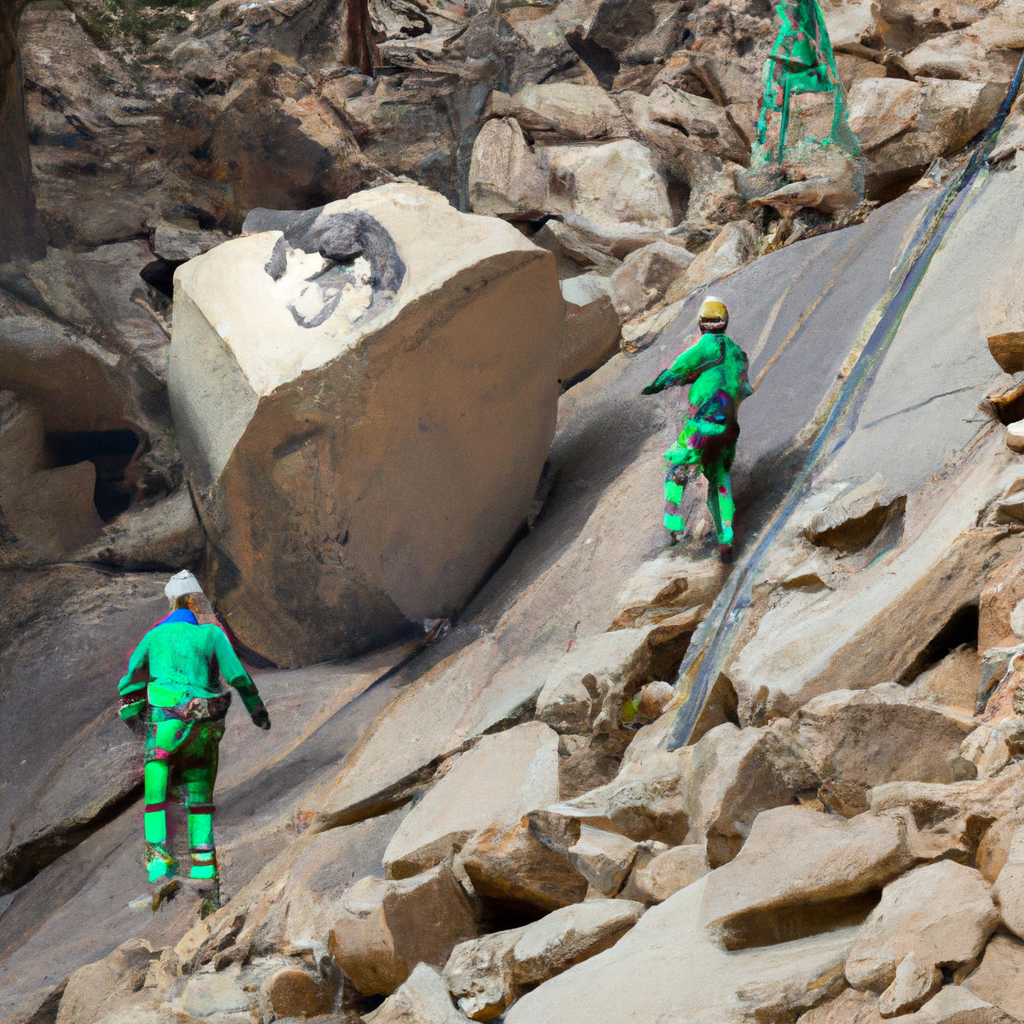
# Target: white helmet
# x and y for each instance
(182, 583)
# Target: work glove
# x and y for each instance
(260, 718)
(653, 389)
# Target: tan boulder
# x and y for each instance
(387, 927)
(563, 110)
(859, 739)
(994, 848)
(666, 873)
(502, 777)
(616, 182)
(997, 978)
(700, 118)
(942, 912)
(605, 859)
(645, 277)
(731, 249)
(94, 989)
(591, 326)
(965, 54)
(243, 362)
(1015, 437)
(801, 872)
(295, 992)
(852, 28)
(668, 586)
(882, 108)
(953, 681)
(954, 1004)
(849, 1007)
(523, 865)
(1007, 891)
(853, 520)
(480, 974)
(48, 511)
(571, 935)
(913, 986)
(209, 994)
(679, 969)
(991, 747)
(1008, 350)
(486, 975)
(421, 999)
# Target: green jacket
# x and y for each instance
(716, 363)
(177, 661)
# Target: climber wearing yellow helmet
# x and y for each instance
(716, 370)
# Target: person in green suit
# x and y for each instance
(716, 370)
(172, 694)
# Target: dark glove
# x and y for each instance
(653, 389)
(260, 718)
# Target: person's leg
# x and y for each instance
(682, 467)
(720, 502)
(199, 775)
(160, 863)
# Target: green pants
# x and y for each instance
(693, 454)
(181, 755)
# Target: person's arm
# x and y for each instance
(132, 687)
(235, 675)
(686, 365)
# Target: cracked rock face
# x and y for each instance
(379, 376)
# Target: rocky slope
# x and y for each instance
(502, 824)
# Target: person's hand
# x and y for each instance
(260, 718)
(652, 389)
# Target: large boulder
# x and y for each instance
(354, 373)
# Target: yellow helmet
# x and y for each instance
(713, 309)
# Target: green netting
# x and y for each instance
(801, 62)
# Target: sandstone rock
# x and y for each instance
(882, 108)
(502, 777)
(588, 686)
(163, 533)
(294, 992)
(506, 179)
(702, 119)
(956, 1004)
(1015, 437)
(1007, 889)
(849, 1007)
(858, 739)
(586, 762)
(653, 700)
(603, 858)
(486, 975)
(94, 988)
(48, 512)
(856, 518)
(571, 935)
(422, 999)
(681, 968)
(994, 848)
(992, 747)
(1008, 350)
(208, 994)
(997, 979)
(913, 985)
(343, 598)
(727, 253)
(480, 974)
(591, 326)
(953, 681)
(668, 586)
(563, 110)
(522, 865)
(800, 872)
(180, 239)
(610, 183)
(942, 912)
(666, 873)
(961, 54)
(852, 28)
(645, 277)
(390, 926)
(711, 791)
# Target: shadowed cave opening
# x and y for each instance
(962, 628)
(110, 451)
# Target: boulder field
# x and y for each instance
(348, 307)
